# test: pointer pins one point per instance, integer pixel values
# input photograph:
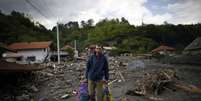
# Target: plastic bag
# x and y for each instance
(107, 94)
(83, 92)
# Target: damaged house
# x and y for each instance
(28, 52)
(164, 50)
(194, 47)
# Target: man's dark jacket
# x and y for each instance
(97, 68)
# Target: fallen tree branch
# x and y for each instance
(188, 88)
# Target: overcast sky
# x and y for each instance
(151, 11)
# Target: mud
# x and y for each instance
(52, 83)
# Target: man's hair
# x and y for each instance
(99, 46)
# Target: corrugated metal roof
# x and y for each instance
(196, 44)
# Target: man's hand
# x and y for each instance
(104, 82)
(84, 81)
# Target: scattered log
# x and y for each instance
(155, 82)
(188, 88)
(122, 77)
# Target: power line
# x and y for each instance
(44, 6)
(58, 48)
(36, 8)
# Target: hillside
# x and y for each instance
(16, 27)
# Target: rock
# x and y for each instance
(70, 71)
(23, 97)
(65, 96)
(46, 74)
(78, 69)
(111, 67)
(119, 80)
(75, 92)
(34, 89)
(69, 81)
(71, 64)
(112, 72)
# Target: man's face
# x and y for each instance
(98, 49)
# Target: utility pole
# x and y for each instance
(75, 50)
(143, 20)
(75, 45)
(58, 48)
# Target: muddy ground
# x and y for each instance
(186, 73)
(57, 81)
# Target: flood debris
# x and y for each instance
(65, 96)
(188, 88)
(60, 82)
(154, 83)
(23, 97)
(34, 88)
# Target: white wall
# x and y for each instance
(40, 55)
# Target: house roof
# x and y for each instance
(196, 44)
(30, 45)
(163, 48)
(3, 47)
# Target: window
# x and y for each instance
(19, 58)
(31, 58)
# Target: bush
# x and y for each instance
(70, 52)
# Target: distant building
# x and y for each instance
(164, 50)
(3, 48)
(28, 52)
(194, 47)
(14, 67)
(109, 48)
(64, 55)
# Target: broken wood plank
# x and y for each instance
(188, 88)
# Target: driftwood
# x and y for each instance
(122, 77)
(154, 82)
(188, 88)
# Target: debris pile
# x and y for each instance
(154, 82)
(60, 80)
(117, 68)
(18, 87)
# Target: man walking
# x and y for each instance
(97, 74)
